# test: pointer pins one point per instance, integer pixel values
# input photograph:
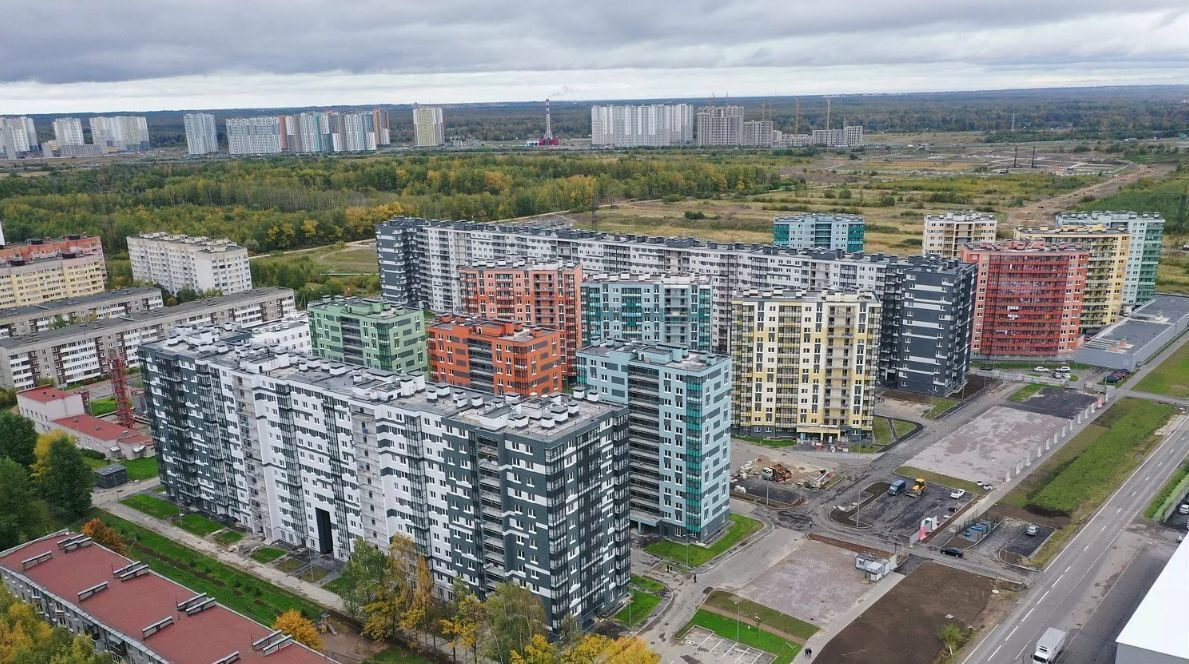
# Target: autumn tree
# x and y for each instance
(596, 649)
(64, 478)
(362, 575)
(300, 628)
(421, 605)
(464, 626)
(26, 637)
(105, 535)
(538, 650)
(17, 438)
(514, 616)
(384, 615)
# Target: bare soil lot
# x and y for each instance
(986, 448)
(798, 584)
(901, 627)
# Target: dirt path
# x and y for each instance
(1040, 213)
(749, 620)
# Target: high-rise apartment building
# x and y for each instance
(121, 133)
(546, 295)
(40, 270)
(177, 262)
(69, 131)
(18, 137)
(201, 135)
(679, 432)
(370, 333)
(428, 128)
(926, 299)
(646, 125)
(1146, 231)
(257, 135)
(805, 364)
(819, 230)
(500, 356)
(1109, 251)
(757, 133)
(1028, 298)
(720, 126)
(946, 234)
(845, 137)
(675, 310)
(318, 454)
(354, 132)
(381, 127)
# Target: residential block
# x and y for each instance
(368, 332)
(500, 356)
(674, 310)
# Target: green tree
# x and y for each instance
(65, 478)
(514, 617)
(362, 576)
(17, 438)
(20, 518)
(464, 626)
(383, 616)
(951, 636)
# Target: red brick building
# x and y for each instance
(502, 356)
(542, 294)
(1029, 298)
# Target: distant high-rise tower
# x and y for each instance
(380, 126)
(720, 125)
(68, 131)
(428, 128)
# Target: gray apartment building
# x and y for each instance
(316, 454)
(53, 314)
(82, 352)
(420, 259)
(658, 308)
(679, 431)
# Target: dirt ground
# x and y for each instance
(901, 627)
(795, 585)
(988, 447)
(1040, 213)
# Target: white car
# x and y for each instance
(1031, 530)
(1064, 370)
(1041, 370)
(957, 493)
(1183, 509)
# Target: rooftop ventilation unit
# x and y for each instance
(36, 560)
(131, 571)
(95, 589)
(156, 627)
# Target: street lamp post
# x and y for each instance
(736, 621)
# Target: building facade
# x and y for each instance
(1146, 231)
(645, 125)
(43, 405)
(121, 133)
(201, 135)
(757, 133)
(318, 454)
(69, 131)
(18, 137)
(370, 333)
(82, 352)
(20, 321)
(420, 259)
(805, 365)
(428, 128)
(40, 270)
(679, 432)
(1028, 298)
(1107, 274)
(820, 230)
(676, 310)
(946, 234)
(547, 295)
(256, 135)
(500, 356)
(720, 126)
(177, 262)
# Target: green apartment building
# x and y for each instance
(368, 332)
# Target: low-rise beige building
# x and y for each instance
(946, 234)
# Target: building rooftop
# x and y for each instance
(165, 313)
(1132, 334)
(47, 249)
(1073, 230)
(43, 394)
(832, 216)
(544, 266)
(200, 241)
(100, 429)
(127, 597)
(1158, 624)
(111, 469)
(960, 216)
(645, 278)
(493, 328)
(1105, 216)
(1028, 246)
(78, 302)
(657, 354)
(370, 308)
(802, 295)
(546, 419)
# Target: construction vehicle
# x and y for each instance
(919, 488)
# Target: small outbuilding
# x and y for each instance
(110, 477)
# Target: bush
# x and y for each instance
(693, 215)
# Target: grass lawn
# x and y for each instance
(651, 585)
(902, 427)
(101, 407)
(314, 575)
(941, 406)
(338, 586)
(154, 507)
(677, 552)
(1171, 377)
(1024, 392)
(234, 588)
(398, 655)
(267, 554)
(290, 564)
(729, 628)
(642, 605)
(882, 431)
(199, 525)
(937, 478)
(140, 469)
(720, 599)
(769, 442)
(229, 537)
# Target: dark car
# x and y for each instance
(952, 551)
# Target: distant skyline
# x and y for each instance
(70, 57)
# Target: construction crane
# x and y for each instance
(118, 368)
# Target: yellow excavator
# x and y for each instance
(919, 488)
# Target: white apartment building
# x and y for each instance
(757, 133)
(68, 131)
(177, 262)
(354, 132)
(652, 125)
(844, 137)
(258, 135)
(17, 136)
(428, 127)
(201, 135)
(720, 125)
(946, 234)
(122, 133)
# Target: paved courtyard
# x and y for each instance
(815, 583)
(987, 447)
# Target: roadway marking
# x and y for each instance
(1117, 510)
(1067, 569)
(1042, 597)
(1013, 631)
(1026, 615)
(1132, 492)
(1086, 548)
(1058, 581)
(995, 652)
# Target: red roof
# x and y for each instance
(89, 425)
(44, 394)
(130, 606)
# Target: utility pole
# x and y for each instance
(1033, 157)
(1015, 156)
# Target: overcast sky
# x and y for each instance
(89, 55)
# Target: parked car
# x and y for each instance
(952, 551)
(1064, 370)
(1183, 509)
(957, 493)
(1031, 530)
(1041, 369)
(897, 487)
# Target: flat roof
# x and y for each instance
(75, 302)
(129, 606)
(1158, 624)
(102, 429)
(1133, 333)
(43, 394)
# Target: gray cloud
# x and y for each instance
(56, 42)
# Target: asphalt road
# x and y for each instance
(1056, 593)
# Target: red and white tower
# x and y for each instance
(547, 138)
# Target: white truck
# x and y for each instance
(1049, 646)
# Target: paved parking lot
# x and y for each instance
(901, 515)
(1176, 521)
(1019, 542)
(795, 585)
(714, 648)
(986, 448)
(1057, 401)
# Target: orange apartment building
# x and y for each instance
(1029, 298)
(501, 356)
(541, 294)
